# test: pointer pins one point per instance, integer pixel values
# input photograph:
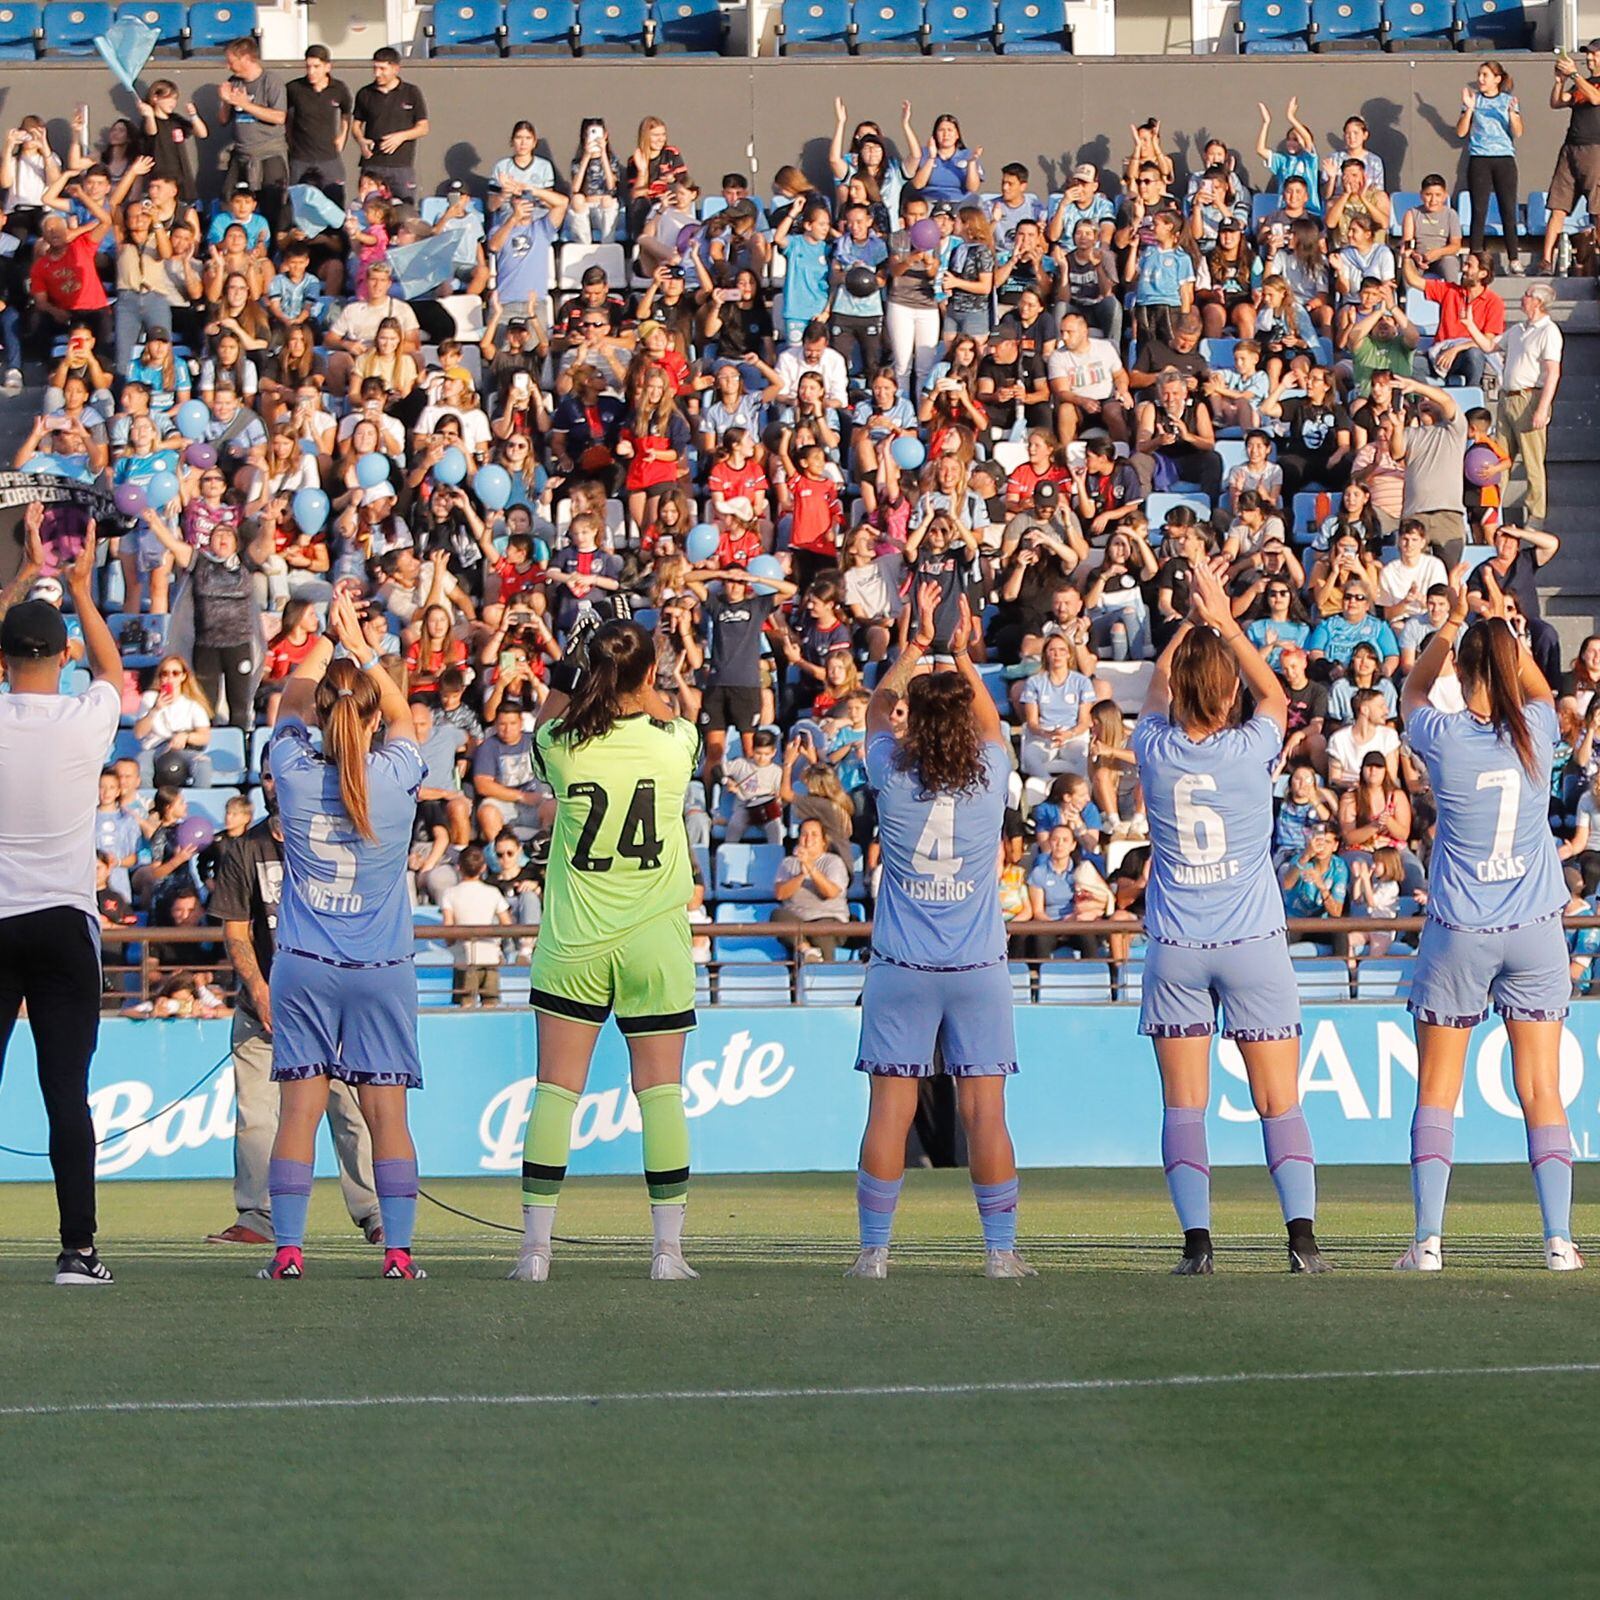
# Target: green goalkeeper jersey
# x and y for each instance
(619, 856)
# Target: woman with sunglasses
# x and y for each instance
(1277, 619)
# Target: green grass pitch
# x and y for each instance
(1436, 1483)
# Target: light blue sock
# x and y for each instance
(1187, 1164)
(1292, 1164)
(396, 1183)
(289, 1185)
(1433, 1148)
(1550, 1156)
(997, 1211)
(876, 1199)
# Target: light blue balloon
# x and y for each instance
(492, 485)
(763, 568)
(161, 489)
(193, 419)
(541, 552)
(908, 453)
(310, 510)
(702, 543)
(372, 469)
(451, 467)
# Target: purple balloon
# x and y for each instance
(195, 833)
(1481, 465)
(687, 235)
(130, 499)
(201, 456)
(925, 234)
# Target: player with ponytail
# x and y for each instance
(1493, 934)
(344, 989)
(615, 932)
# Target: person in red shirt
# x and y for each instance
(675, 516)
(294, 641)
(433, 652)
(816, 517)
(65, 286)
(518, 570)
(737, 475)
(741, 542)
(655, 443)
(1458, 352)
(1042, 466)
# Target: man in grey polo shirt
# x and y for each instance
(1430, 439)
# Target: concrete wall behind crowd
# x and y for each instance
(735, 114)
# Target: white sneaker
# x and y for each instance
(1562, 1255)
(670, 1267)
(1422, 1255)
(873, 1262)
(533, 1266)
(1006, 1264)
(13, 381)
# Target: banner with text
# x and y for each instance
(774, 1091)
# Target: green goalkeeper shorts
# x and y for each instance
(647, 979)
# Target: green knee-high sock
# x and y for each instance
(666, 1144)
(547, 1145)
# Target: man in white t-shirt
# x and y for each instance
(52, 749)
(1404, 583)
(1369, 731)
(472, 903)
(1087, 382)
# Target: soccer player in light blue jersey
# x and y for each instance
(1214, 917)
(1493, 933)
(938, 976)
(343, 988)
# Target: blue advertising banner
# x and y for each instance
(773, 1090)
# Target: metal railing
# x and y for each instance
(135, 974)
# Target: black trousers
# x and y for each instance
(216, 665)
(864, 335)
(270, 177)
(1498, 173)
(51, 960)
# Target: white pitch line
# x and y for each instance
(885, 1391)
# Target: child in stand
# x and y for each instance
(754, 782)
(1235, 396)
(1483, 501)
(370, 237)
(1375, 890)
(848, 742)
(474, 903)
(1114, 773)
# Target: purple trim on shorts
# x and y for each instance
(1261, 1035)
(343, 1074)
(344, 966)
(1179, 1030)
(911, 966)
(1512, 927)
(926, 1069)
(1440, 1019)
(1221, 944)
(1522, 1014)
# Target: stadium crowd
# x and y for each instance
(754, 424)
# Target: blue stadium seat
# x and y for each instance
(1308, 514)
(1422, 311)
(748, 871)
(1380, 979)
(1539, 215)
(1324, 979)
(815, 24)
(1400, 202)
(1218, 352)
(747, 947)
(170, 19)
(1157, 506)
(959, 24)
(1073, 982)
(832, 983)
(209, 803)
(466, 27)
(691, 27)
(215, 24)
(70, 28)
(228, 763)
(1418, 25)
(1494, 224)
(882, 23)
(541, 25)
(1232, 452)
(615, 25)
(1032, 28)
(21, 33)
(1273, 27)
(1346, 25)
(1492, 25)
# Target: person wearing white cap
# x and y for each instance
(52, 749)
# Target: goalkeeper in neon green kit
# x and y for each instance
(615, 931)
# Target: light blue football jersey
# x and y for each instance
(344, 896)
(1210, 812)
(1494, 861)
(939, 896)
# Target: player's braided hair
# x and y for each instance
(1488, 657)
(942, 745)
(621, 658)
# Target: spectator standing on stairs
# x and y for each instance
(1528, 392)
(1577, 174)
